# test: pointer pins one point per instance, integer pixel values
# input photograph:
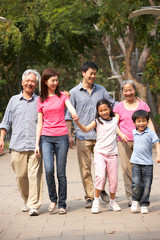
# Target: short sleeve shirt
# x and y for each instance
(142, 150)
(106, 136)
(53, 109)
(126, 124)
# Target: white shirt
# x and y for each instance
(106, 136)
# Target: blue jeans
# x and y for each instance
(58, 146)
(142, 176)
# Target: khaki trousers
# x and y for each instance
(85, 149)
(125, 152)
(28, 171)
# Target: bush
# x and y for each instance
(157, 119)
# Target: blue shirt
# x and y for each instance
(21, 115)
(142, 150)
(85, 105)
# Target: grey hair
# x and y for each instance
(28, 71)
(128, 82)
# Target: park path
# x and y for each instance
(79, 223)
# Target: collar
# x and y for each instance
(21, 96)
(80, 86)
(145, 131)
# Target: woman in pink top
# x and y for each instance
(52, 130)
(124, 111)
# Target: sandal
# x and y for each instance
(52, 207)
(62, 211)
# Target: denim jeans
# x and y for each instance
(142, 176)
(58, 146)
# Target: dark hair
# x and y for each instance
(100, 102)
(140, 114)
(48, 72)
(88, 65)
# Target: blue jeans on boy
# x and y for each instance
(142, 176)
(58, 146)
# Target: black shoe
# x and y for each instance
(88, 203)
(129, 204)
(104, 196)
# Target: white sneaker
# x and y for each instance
(134, 207)
(33, 212)
(113, 206)
(24, 208)
(144, 210)
(95, 206)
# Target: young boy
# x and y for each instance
(142, 170)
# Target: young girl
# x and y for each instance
(54, 136)
(105, 152)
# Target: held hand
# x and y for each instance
(1, 146)
(71, 142)
(75, 117)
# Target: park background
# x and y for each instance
(63, 34)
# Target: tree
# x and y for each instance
(42, 32)
(137, 33)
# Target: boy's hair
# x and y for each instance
(140, 114)
(88, 65)
(100, 102)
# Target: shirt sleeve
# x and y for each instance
(65, 97)
(7, 119)
(39, 105)
(146, 107)
(116, 109)
(154, 137)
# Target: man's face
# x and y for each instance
(90, 75)
(29, 83)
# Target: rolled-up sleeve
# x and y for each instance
(7, 119)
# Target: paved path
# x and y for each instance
(79, 223)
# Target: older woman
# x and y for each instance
(124, 111)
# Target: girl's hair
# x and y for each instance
(100, 102)
(128, 82)
(48, 73)
(140, 114)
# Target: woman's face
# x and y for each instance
(52, 83)
(129, 92)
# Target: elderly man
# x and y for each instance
(21, 115)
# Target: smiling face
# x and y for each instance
(52, 84)
(29, 84)
(89, 76)
(129, 92)
(141, 124)
(104, 111)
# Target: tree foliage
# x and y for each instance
(62, 34)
